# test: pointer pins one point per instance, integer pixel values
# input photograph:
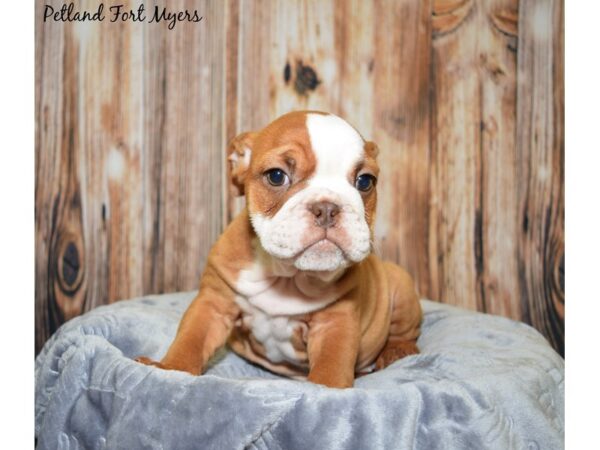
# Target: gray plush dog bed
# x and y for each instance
(480, 382)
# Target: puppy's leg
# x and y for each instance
(395, 350)
(406, 318)
(333, 343)
(204, 328)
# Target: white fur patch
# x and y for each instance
(337, 147)
(274, 333)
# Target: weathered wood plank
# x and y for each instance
(455, 137)
(496, 221)
(303, 38)
(353, 87)
(184, 141)
(50, 178)
(154, 84)
(476, 45)
(540, 151)
(401, 66)
(110, 133)
(41, 206)
(231, 202)
(254, 84)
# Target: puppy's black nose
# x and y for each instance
(325, 213)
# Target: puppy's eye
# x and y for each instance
(365, 182)
(276, 177)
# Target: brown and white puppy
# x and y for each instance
(292, 284)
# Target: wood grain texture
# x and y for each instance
(184, 144)
(540, 154)
(456, 137)
(496, 220)
(476, 218)
(110, 131)
(231, 202)
(463, 97)
(402, 117)
(52, 158)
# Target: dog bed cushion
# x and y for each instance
(480, 382)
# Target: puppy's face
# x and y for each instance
(310, 184)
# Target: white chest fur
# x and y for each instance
(271, 305)
(273, 332)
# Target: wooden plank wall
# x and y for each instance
(464, 98)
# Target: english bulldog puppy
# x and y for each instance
(292, 284)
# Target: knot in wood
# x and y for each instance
(68, 266)
(306, 79)
(287, 73)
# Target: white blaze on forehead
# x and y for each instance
(336, 144)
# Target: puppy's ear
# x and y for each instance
(371, 149)
(239, 152)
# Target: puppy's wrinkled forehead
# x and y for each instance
(328, 145)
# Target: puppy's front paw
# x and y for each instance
(149, 362)
(331, 380)
(167, 366)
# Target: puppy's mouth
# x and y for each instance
(323, 243)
